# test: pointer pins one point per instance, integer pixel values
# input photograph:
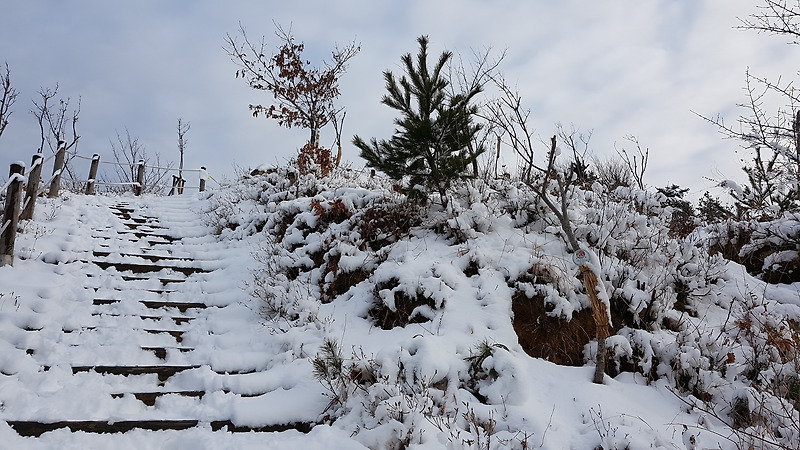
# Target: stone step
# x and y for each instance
(149, 398)
(36, 429)
(164, 281)
(134, 236)
(148, 235)
(146, 268)
(156, 304)
(177, 334)
(152, 258)
(161, 352)
(179, 320)
(121, 209)
(136, 224)
(163, 371)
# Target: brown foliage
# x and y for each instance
(404, 308)
(303, 94)
(383, 225)
(311, 157)
(552, 338)
(332, 212)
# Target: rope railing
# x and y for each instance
(17, 178)
(49, 158)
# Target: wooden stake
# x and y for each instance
(11, 215)
(139, 187)
(600, 314)
(92, 174)
(203, 176)
(33, 187)
(58, 167)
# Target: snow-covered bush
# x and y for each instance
(767, 249)
(451, 296)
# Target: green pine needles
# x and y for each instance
(435, 139)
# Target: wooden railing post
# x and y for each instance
(58, 167)
(599, 312)
(92, 174)
(174, 184)
(181, 184)
(203, 176)
(31, 191)
(139, 188)
(11, 214)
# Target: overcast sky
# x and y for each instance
(618, 67)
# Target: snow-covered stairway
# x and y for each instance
(143, 346)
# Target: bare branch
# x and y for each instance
(9, 96)
(483, 67)
(779, 133)
(511, 120)
(183, 128)
(127, 152)
(58, 122)
(636, 164)
(776, 17)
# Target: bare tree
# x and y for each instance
(636, 163)
(58, 122)
(303, 95)
(128, 151)
(183, 128)
(612, 173)
(9, 96)
(510, 118)
(481, 69)
(553, 185)
(776, 133)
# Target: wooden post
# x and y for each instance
(203, 176)
(599, 311)
(139, 188)
(11, 214)
(600, 315)
(92, 174)
(34, 176)
(174, 184)
(58, 167)
(181, 184)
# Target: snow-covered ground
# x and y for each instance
(457, 378)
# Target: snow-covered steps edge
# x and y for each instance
(36, 429)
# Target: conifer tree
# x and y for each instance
(433, 143)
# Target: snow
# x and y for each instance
(256, 366)
(733, 186)
(12, 179)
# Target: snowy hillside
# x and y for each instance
(335, 314)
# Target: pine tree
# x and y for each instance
(712, 210)
(682, 222)
(433, 143)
